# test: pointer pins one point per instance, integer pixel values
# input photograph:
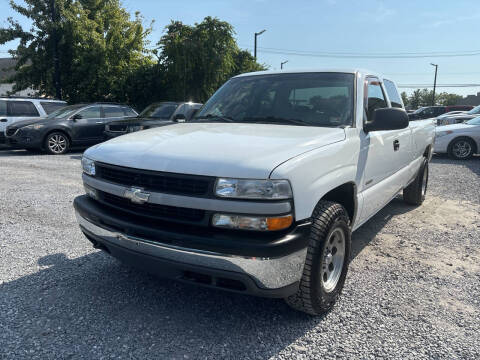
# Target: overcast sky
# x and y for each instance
(367, 27)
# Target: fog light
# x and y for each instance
(91, 192)
(256, 223)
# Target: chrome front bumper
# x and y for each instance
(267, 273)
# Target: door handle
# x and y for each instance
(396, 145)
(3, 120)
(99, 122)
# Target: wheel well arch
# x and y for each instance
(475, 145)
(57, 130)
(426, 153)
(345, 195)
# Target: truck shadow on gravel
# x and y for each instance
(93, 306)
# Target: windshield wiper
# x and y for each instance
(278, 120)
(211, 118)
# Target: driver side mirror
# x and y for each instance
(387, 119)
(179, 118)
(76, 117)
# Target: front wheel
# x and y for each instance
(461, 149)
(57, 143)
(327, 260)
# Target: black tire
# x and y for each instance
(461, 149)
(57, 143)
(314, 296)
(414, 194)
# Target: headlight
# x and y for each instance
(35, 126)
(88, 166)
(443, 133)
(253, 189)
(256, 223)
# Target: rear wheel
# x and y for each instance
(327, 260)
(415, 193)
(461, 149)
(57, 143)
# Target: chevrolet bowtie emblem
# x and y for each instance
(136, 195)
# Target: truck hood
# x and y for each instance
(214, 149)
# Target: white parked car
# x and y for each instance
(459, 117)
(459, 141)
(14, 109)
(259, 193)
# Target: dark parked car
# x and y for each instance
(427, 112)
(72, 126)
(154, 115)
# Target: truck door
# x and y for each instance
(384, 153)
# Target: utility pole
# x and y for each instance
(283, 63)
(255, 45)
(434, 83)
(56, 60)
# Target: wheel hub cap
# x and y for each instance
(57, 143)
(333, 259)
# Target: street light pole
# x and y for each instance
(255, 45)
(434, 83)
(283, 63)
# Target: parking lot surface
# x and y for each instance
(412, 292)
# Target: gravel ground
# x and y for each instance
(413, 290)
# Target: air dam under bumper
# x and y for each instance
(260, 276)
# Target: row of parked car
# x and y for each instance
(458, 128)
(54, 127)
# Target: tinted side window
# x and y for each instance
(113, 111)
(90, 113)
(392, 93)
(50, 107)
(21, 108)
(376, 99)
(3, 108)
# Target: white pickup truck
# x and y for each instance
(260, 192)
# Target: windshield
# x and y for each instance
(161, 110)
(475, 121)
(474, 111)
(64, 112)
(309, 99)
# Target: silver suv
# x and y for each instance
(13, 109)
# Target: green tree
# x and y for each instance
(446, 99)
(405, 99)
(96, 44)
(198, 59)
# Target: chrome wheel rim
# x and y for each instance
(57, 143)
(425, 181)
(462, 149)
(332, 259)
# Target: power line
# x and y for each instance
(370, 55)
(411, 86)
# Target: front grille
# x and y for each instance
(11, 131)
(152, 210)
(156, 181)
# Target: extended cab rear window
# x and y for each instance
(50, 106)
(392, 93)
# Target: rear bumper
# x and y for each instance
(276, 276)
